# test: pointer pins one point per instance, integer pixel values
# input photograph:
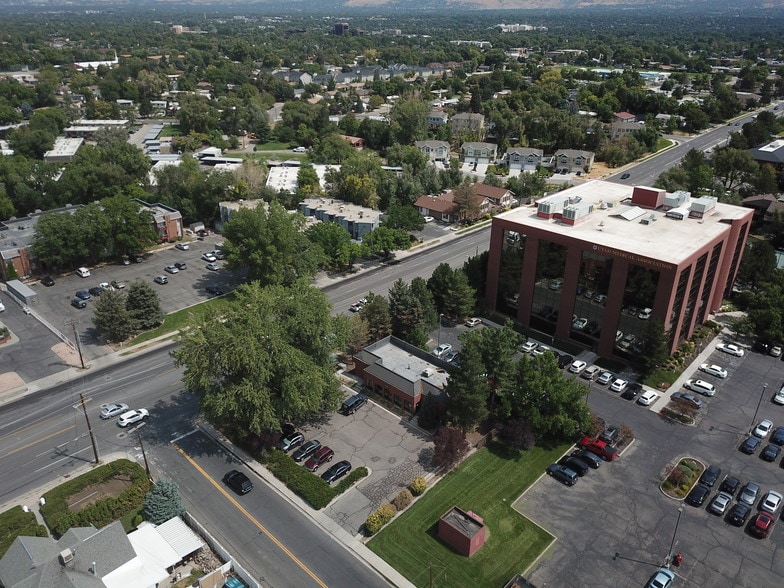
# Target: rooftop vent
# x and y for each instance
(66, 556)
(427, 372)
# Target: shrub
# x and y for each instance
(14, 523)
(402, 500)
(450, 446)
(384, 514)
(418, 486)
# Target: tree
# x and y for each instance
(144, 306)
(404, 217)
(449, 447)
(271, 244)
(518, 435)
(383, 240)
(467, 202)
(496, 349)
(452, 294)
(734, 167)
(654, 347)
(112, 317)
(265, 358)
(131, 228)
(376, 314)
(331, 237)
(196, 114)
(467, 391)
(408, 120)
(758, 264)
(406, 312)
(162, 503)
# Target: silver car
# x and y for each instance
(720, 503)
(749, 493)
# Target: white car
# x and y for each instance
(713, 370)
(701, 386)
(779, 397)
(209, 257)
(112, 410)
(182, 246)
(605, 378)
(528, 346)
(540, 350)
(648, 398)
(762, 429)
(299, 149)
(132, 416)
(2, 307)
(577, 366)
(83, 272)
(771, 502)
(579, 324)
(731, 349)
(619, 385)
(472, 322)
(429, 219)
(213, 266)
(442, 350)
(645, 314)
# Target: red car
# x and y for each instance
(600, 448)
(762, 524)
(322, 456)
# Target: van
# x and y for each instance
(83, 272)
(353, 404)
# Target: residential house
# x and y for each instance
(442, 207)
(356, 142)
(771, 153)
(167, 220)
(497, 197)
(400, 373)
(478, 153)
(357, 220)
(468, 122)
(619, 128)
(434, 150)
(625, 117)
(573, 160)
(436, 118)
(525, 159)
(64, 150)
(765, 206)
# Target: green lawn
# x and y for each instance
(487, 483)
(171, 131)
(272, 146)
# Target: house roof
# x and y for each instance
(479, 145)
(765, 202)
(438, 202)
(524, 151)
(625, 116)
(433, 145)
(772, 152)
(180, 536)
(572, 153)
(491, 192)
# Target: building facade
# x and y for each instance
(594, 263)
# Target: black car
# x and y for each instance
(214, 290)
(593, 460)
(738, 514)
(778, 436)
(95, 291)
(78, 303)
(238, 482)
(770, 453)
(563, 474)
(698, 495)
(730, 485)
(625, 176)
(750, 445)
(83, 295)
(181, 265)
(575, 464)
(47, 281)
(710, 476)
(565, 360)
(338, 470)
(306, 450)
(632, 391)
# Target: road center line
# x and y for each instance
(18, 449)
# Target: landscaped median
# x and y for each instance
(487, 484)
(681, 478)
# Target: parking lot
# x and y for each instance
(614, 527)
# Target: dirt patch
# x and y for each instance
(92, 494)
(599, 169)
(9, 381)
(67, 354)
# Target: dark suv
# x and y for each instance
(238, 482)
(316, 460)
(710, 476)
(290, 441)
(306, 450)
(353, 404)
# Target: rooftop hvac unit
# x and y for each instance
(427, 372)
(66, 556)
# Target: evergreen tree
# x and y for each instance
(144, 306)
(162, 503)
(112, 317)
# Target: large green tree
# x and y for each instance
(163, 502)
(385, 240)
(264, 359)
(144, 305)
(111, 316)
(452, 293)
(467, 391)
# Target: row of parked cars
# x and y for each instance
(748, 495)
(314, 455)
(758, 435)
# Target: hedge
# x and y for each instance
(59, 518)
(308, 486)
(379, 518)
(14, 523)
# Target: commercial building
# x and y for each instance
(357, 220)
(64, 150)
(594, 263)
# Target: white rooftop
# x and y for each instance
(64, 147)
(664, 239)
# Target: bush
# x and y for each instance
(402, 500)
(16, 522)
(418, 486)
(384, 514)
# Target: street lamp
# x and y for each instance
(674, 534)
(759, 403)
(440, 320)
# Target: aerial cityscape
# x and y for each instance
(363, 293)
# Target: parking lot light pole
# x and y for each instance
(440, 320)
(674, 534)
(759, 403)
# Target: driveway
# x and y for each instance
(619, 508)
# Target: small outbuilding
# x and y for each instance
(463, 531)
(22, 292)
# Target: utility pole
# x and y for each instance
(759, 403)
(144, 455)
(73, 323)
(89, 427)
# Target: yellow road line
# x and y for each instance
(38, 440)
(250, 517)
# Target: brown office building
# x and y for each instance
(594, 263)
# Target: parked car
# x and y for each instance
(600, 298)
(619, 385)
(701, 387)
(775, 351)
(710, 476)
(95, 291)
(47, 281)
(762, 429)
(299, 149)
(556, 284)
(605, 378)
(579, 324)
(82, 272)
(731, 349)
(182, 246)
(750, 445)
(83, 295)
(698, 495)
(600, 448)
(778, 436)
(472, 322)
(160, 280)
(593, 460)
(171, 269)
(577, 366)
(648, 397)
(762, 524)
(238, 482)
(713, 370)
(565, 360)
(771, 502)
(213, 266)
(181, 265)
(118, 285)
(112, 410)
(353, 404)
(290, 441)
(688, 398)
(562, 474)
(779, 397)
(528, 346)
(770, 452)
(738, 514)
(590, 372)
(209, 257)
(749, 493)
(336, 472)
(214, 290)
(610, 434)
(720, 503)
(306, 450)
(632, 390)
(132, 416)
(78, 303)
(442, 350)
(540, 350)
(319, 458)
(730, 485)
(645, 314)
